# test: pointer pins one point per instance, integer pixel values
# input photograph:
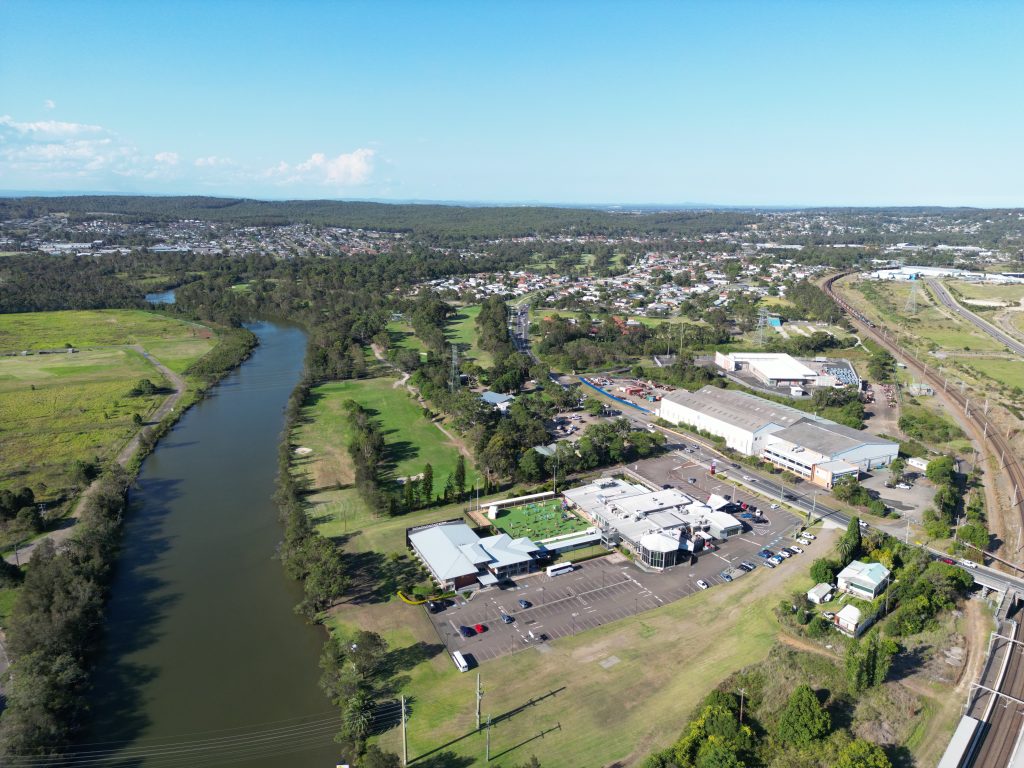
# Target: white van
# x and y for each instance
(460, 661)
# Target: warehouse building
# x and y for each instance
(775, 369)
(743, 420)
(661, 528)
(811, 447)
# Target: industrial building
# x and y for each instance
(773, 369)
(816, 449)
(661, 528)
(459, 559)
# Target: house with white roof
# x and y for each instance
(459, 559)
(864, 580)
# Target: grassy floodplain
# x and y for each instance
(59, 408)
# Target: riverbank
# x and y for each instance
(46, 624)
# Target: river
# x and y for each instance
(202, 641)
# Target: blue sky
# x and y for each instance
(732, 103)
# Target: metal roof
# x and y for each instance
(827, 438)
(736, 408)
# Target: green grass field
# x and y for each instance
(59, 408)
(94, 328)
(1004, 370)
(541, 520)
(1010, 293)
(403, 337)
(55, 409)
(462, 330)
(598, 714)
(412, 441)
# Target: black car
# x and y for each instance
(524, 604)
(466, 631)
(506, 619)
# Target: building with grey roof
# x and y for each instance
(661, 528)
(814, 448)
(865, 580)
(459, 559)
(743, 420)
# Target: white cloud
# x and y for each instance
(166, 158)
(345, 170)
(49, 104)
(46, 128)
(212, 161)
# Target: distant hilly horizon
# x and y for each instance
(649, 207)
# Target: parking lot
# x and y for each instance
(599, 591)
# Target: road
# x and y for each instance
(67, 525)
(974, 419)
(947, 300)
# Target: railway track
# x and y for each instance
(1003, 725)
(992, 438)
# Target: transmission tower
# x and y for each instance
(762, 326)
(911, 306)
(453, 383)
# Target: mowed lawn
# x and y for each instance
(55, 409)
(412, 441)
(402, 336)
(462, 330)
(610, 694)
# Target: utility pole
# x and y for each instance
(405, 741)
(479, 695)
(488, 747)
(742, 694)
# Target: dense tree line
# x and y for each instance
(55, 628)
(813, 303)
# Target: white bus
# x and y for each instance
(460, 661)
(558, 570)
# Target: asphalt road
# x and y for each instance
(597, 592)
(947, 300)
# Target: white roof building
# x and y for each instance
(866, 580)
(458, 559)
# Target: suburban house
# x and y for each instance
(820, 593)
(497, 400)
(864, 580)
(848, 619)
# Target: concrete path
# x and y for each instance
(66, 526)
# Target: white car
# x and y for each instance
(903, 486)
(806, 535)
(784, 554)
(797, 550)
(747, 478)
(773, 506)
(702, 584)
(805, 542)
(968, 564)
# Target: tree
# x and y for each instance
(366, 652)
(975, 534)
(427, 485)
(715, 753)
(142, 388)
(803, 720)
(862, 754)
(374, 757)
(897, 469)
(460, 476)
(848, 547)
(357, 717)
(823, 570)
(868, 661)
(940, 470)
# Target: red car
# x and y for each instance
(479, 628)
(946, 560)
